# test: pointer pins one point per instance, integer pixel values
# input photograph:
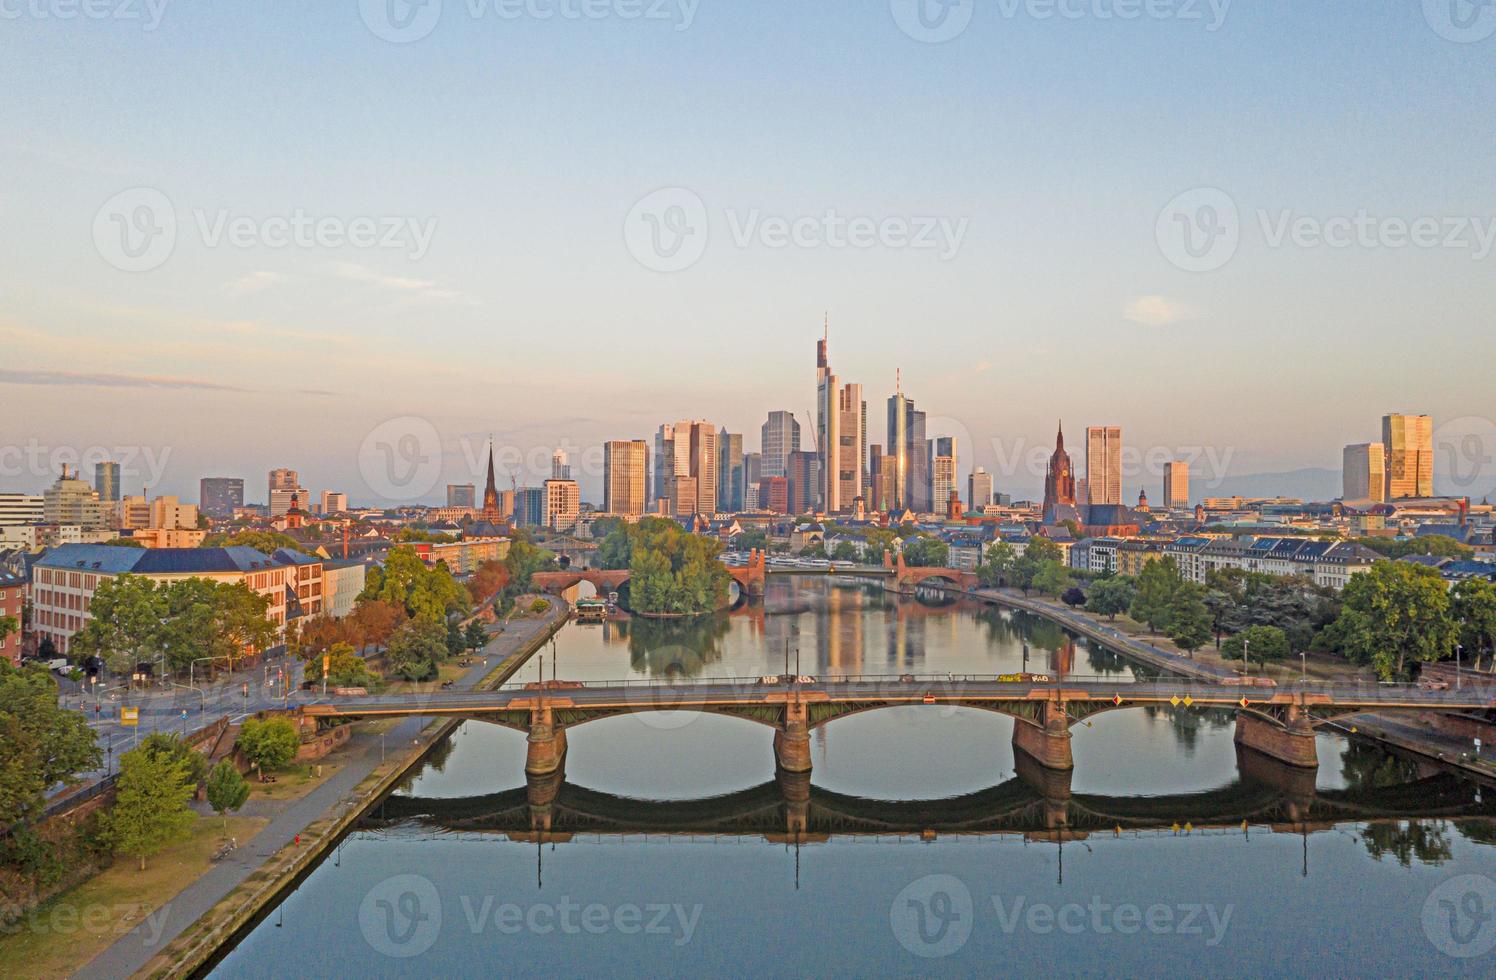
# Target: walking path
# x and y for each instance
(363, 753)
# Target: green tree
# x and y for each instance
(173, 748)
(8, 625)
(475, 638)
(1474, 605)
(268, 743)
(846, 551)
(227, 789)
(1261, 643)
(265, 542)
(345, 668)
(1051, 578)
(1189, 618)
(1394, 613)
(424, 593)
(127, 619)
(1154, 602)
(1438, 545)
(672, 571)
(150, 804)
(417, 648)
(41, 743)
(456, 640)
(1111, 596)
(926, 552)
(997, 564)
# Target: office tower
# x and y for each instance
(846, 467)
(828, 427)
(20, 508)
(529, 506)
(683, 496)
(462, 495)
(978, 489)
(560, 468)
(219, 496)
(875, 484)
(698, 440)
(753, 472)
(563, 504)
(284, 486)
(106, 481)
(942, 471)
(918, 493)
(774, 494)
(1409, 442)
(72, 501)
(1104, 464)
(780, 437)
(907, 447)
(1082, 492)
(624, 469)
(672, 458)
(334, 502)
(803, 477)
(169, 513)
(1176, 484)
(729, 472)
(1365, 473)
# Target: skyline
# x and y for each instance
(516, 301)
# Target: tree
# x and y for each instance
(456, 641)
(490, 579)
(150, 804)
(1260, 643)
(375, 621)
(405, 581)
(475, 638)
(417, 648)
(1051, 578)
(997, 564)
(672, 571)
(268, 743)
(1394, 613)
(1189, 619)
(1111, 596)
(127, 618)
(1474, 605)
(846, 551)
(8, 625)
(1074, 597)
(1027, 566)
(172, 747)
(1439, 545)
(265, 542)
(345, 668)
(1154, 602)
(227, 789)
(41, 743)
(926, 552)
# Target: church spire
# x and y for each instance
(491, 485)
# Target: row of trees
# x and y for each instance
(136, 620)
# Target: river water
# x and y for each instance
(920, 846)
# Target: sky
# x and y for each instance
(357, 238)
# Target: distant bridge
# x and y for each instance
(1276, 722)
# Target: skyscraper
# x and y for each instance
(563, 504)
(624, 466)
(560, 468)
(729, 472)
(847, 466)
(780, 437)
(1409, 442)
(666, 465)
(1104, 464)
(942, 471)
(106, 481)
(1176, 484)
(220, 496)
(1365, 472)
(285, 488)
(804, 471)
(919, 496)
(897, 450)
(978, 489)
(753, 469)
(687, 451)
(828, 427)
(462, 495)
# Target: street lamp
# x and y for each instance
(1459, 651)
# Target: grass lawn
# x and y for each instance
(73, 928)
(293, 781)
(450, 671)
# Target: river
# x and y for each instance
(921, 845)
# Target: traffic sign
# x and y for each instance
(129, 717)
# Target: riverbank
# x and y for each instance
(188, 932)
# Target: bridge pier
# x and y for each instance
(1290, 740)
(541, 791)
(545, 746)
(1046, 740)
(795, 786)
(792, 740)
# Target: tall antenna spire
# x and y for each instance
(826, 327)
(898, 381)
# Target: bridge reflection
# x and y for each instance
(1037, 804)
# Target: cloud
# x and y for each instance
(253, 282)
(411, 286)
(98, 380)
(1158, 311)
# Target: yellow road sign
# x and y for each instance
(1174, 700)
(129, 717)
(1188, 700)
